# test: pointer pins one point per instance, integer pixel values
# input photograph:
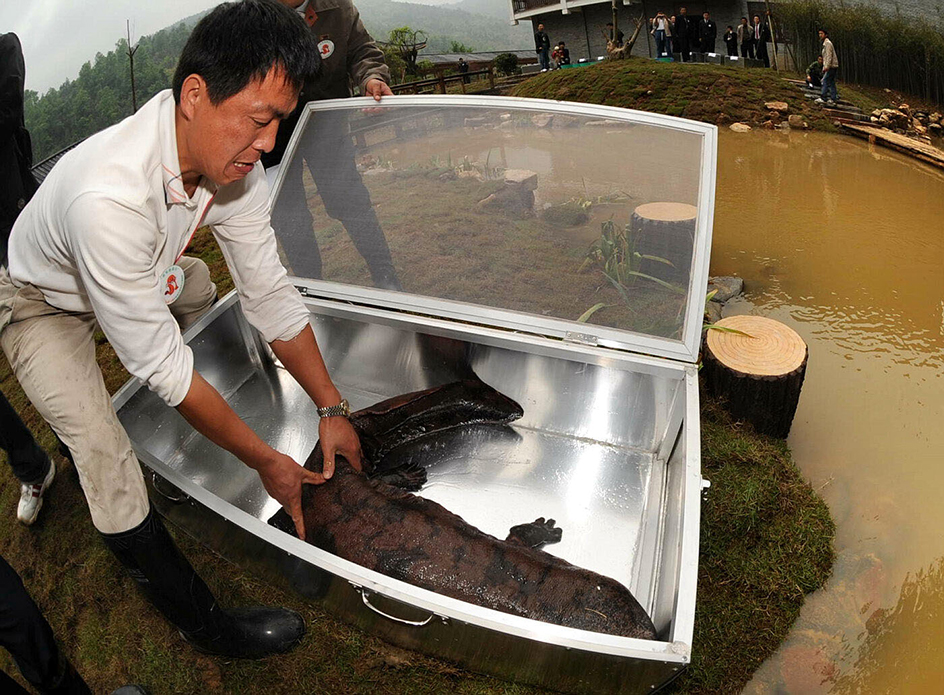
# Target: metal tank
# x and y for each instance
(467, 235)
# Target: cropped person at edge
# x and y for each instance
(101, 244)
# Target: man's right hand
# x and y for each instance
(283, 478)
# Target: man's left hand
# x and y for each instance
(377, 88)
(338, 437)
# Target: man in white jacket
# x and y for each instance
(830, 94)
(101, 245)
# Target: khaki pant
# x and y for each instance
(52, 353)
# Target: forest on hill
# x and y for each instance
(101, 95)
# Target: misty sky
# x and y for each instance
(58, 36)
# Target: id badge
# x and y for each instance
(172, 283)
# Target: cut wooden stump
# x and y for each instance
(666, 231)
(760, 374)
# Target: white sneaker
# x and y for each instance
(31, 498)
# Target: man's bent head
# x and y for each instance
(241, 42)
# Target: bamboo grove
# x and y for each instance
(902, 54)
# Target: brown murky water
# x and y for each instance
(845, 243)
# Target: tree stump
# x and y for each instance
(667, 231)
(760, 376)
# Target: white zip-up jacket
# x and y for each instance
(112, 216)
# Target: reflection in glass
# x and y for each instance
(558, 215)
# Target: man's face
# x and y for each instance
(682, 11)
(819, 59)
(756, 19)
(540, 27)
(744, 20)
(822, 36)
(225, 140)
(706, 15)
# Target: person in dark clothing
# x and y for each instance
(25, 633)
(349, 57)
(616, 39)
(814, 74)
(31, 465)
(683, 32)
(745, 37)
(17, 184)
(564, 53)
(463, 68)
(761, 35)
(731, 41)
(707, 34)
(542, 44)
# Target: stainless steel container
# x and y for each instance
(489, 207)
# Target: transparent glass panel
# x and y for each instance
(560, 215)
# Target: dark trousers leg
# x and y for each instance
(683, 46)
(291, 219)
(29, 639)
(347, 200)
(29, 462)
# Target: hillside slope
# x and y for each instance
(701, 92)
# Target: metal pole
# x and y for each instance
(131, 51)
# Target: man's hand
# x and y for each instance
(283, 480)
(338, 437)
(377, 88)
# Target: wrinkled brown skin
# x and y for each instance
(418, 541)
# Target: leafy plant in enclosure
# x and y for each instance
(507, 64)
(459, 47)
(615, 255)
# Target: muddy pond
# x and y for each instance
(845, 243)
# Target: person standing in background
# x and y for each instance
(761, 35)
(707, 34)
(349, 58)
(830, 68)
(731, 41)
(683, 32)
(745, 38)
(542, 44)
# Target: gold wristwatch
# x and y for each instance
(342, 409)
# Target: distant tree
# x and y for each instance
(425, 68)
(459, 47)
(507, 64)
(408, 43)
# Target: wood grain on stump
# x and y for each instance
(760, 374)
(666, 230)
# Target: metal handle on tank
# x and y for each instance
(412, 623)
(179, 499)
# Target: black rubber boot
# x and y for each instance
(171, 584)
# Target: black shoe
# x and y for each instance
(176, 590)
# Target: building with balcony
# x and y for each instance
(581, 23)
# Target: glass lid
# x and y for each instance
(579, 222)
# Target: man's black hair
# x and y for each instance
(239, 42)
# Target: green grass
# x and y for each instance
(766, 541)
(701, 92)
